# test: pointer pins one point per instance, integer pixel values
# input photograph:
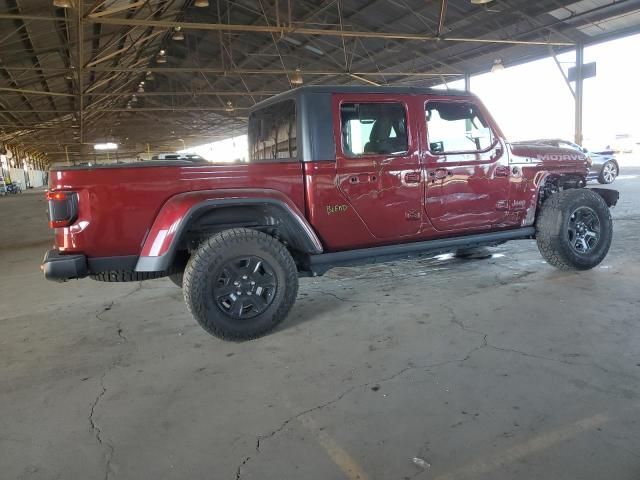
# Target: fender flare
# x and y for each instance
(161, 243)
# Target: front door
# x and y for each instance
(378, 164)
(466, 168)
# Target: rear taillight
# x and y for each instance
(63, 208)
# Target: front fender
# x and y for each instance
(161, 243)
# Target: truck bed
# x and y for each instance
(118, 203)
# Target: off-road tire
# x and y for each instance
(552, 229)
(601, 177)
(177, 278)
(209, 260)
(177, 269)
(126, 276)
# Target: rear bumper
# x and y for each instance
(60, 267)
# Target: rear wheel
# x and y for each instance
(608, 173)
(240, 283)
(177, 278)
(177, 270)
(574, 229)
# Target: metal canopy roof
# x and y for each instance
(68, 76)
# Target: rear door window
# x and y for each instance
(373, 129)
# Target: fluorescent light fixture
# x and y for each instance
(105, 146)
(313, 49)
(292, 41)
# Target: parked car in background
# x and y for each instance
(604, 166)
(191, 157)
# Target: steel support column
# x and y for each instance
(467, 82)
(579, 93)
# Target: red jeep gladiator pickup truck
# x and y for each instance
(337, 175)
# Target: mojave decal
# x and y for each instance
(557, 157)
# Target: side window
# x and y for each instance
(373, 129)
(457, 127)
(272, 132)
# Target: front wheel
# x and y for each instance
(574, 229)
(240, 283)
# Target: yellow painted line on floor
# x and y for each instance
(534, 445)
(338, 455)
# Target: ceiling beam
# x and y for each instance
(120, 8)
(285, 30)
(261, 71)
(36, 92)
(441, 17)
(187, 94)
(169, 109)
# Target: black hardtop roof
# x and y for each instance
(329, 89)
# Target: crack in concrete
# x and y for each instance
(95, 428)
(119, 329)
(539, 357)
(104, 309)
(282, 426)
(459, 323)
(332, 295)
(239, 470)
(121, 334)
(521, 275)
(261, 438)
(135, 290)
(357, 301)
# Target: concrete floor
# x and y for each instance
(487, 369)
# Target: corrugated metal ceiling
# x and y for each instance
(60, 95)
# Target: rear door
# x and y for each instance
(466, 168)
(378, 166)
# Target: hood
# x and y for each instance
(549, 156)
